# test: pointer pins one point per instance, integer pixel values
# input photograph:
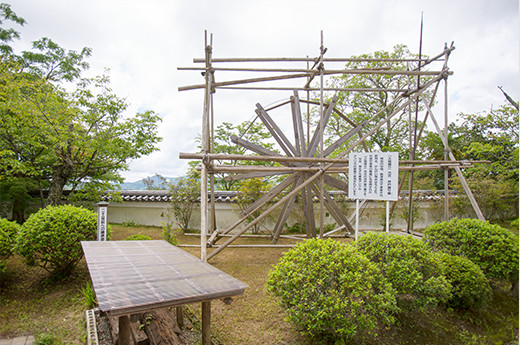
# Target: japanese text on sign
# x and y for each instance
(373, 176)
(102, 224)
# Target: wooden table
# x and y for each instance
(131, 277)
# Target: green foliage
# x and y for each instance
(51, 238)
(410, 266)
(89, 295)
(15, 191)
(361, 107)
(491, 247)
(8, 233)
(249, 191)
(469, 286)
(514, 223)
(491, 136)
(138, 237)
(131, 224)
(45, 339)
(330, 291)
(169, 234)
(225, 133)
(75, 134)
(184, 192)
(296, 228)
(8, 34)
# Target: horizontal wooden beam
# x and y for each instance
(334, 170)
(223, 156)
(280, 88)
(305, 75)
(305, 59)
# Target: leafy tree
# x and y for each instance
(184, 191)
(60, 129)
(156, 182)
(224, 133)
(16, 191)
(491, 136)
(361, 106)
(8, 34)
(249, 191)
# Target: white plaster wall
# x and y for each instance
(372, 217)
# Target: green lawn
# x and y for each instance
(30, 304)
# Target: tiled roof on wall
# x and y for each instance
(228, 196)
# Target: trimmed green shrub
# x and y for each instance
(330, 291)
(138, 237)
(51, 238)
(8, 232)
(469, 286)
(414, 271)
(491, 247)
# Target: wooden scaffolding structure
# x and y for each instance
(306, 159)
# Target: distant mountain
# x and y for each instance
(140, 185)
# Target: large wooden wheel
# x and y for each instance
(300, 171)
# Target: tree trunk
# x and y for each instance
(60, 177)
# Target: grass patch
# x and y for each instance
(30, 304)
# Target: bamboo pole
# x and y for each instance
(465, 185)
(280, 88)
(323, 123)
(311, 160)
(244, 245)
(333, 170)
(205, 150)
(298, 59)
(304, 75)
(316, 175)
(446, 155)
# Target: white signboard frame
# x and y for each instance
(373, 176)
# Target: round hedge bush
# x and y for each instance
(8, 232)
(330, 291)
(138, 237)
(51, 237)
(469, 286)
(493, 248)
(414, 271)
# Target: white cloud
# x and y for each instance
(143, 43)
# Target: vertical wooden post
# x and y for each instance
(125, 333)
(205, 149)
(322, 184)
(410, 173)
(179, 313)
(206, 323)
(446, 155)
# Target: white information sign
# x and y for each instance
(373, 176)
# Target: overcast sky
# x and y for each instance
(143, 43)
